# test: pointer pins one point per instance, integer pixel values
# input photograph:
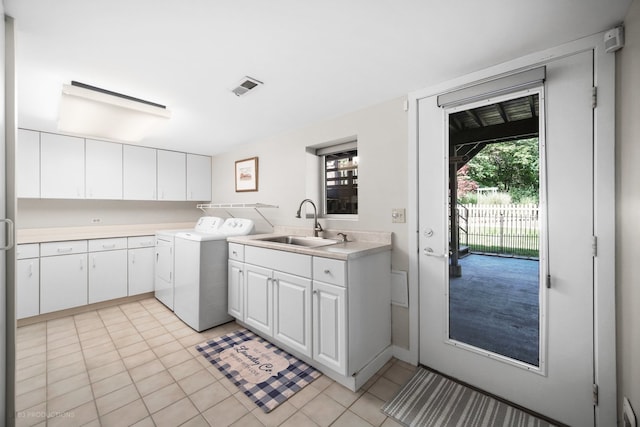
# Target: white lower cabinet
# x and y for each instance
(63, 275)
(329, 327)
(278, 304)
(140, 271)
(334, 314)
(28, 281)
(292, 311)
(108, 269)
(55, 276)
(258, 298)
(235, 303)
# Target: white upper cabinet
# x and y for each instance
(139, 173)
(53, 166)
(198, 177)
(172, 175)
(104, 170)
(61, 167)
(28, 164)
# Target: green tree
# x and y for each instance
(512, 166)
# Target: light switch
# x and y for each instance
(398, 215)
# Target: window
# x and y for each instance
(339, 179)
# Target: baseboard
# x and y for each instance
(405, 355)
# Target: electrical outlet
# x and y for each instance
(629, 418)
(398, 215)
(95, 220)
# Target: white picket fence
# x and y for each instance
(501, 229)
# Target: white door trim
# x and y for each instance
(604, 209)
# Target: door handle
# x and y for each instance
(9, 234)
(429, 252)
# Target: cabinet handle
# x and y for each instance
(235, 253)
(315, 292)
(81, 264)
(64, 250)
(111, 246)
(31, 269)
(133, 258)
(327, 271)
(9, 234)
(93, 263)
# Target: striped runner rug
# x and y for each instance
(430, 399)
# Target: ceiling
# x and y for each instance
(317, 60)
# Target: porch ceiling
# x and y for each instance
(503, 121)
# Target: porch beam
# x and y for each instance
(520, 129)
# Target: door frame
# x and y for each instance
(604, 351)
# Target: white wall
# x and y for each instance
(628, 211)
(381, 131)
(41, 213)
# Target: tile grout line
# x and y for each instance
(86, 367)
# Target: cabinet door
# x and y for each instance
(292, 311)
(104, 170)
(258, 298)
(107, 275)
(63, 282)
(329, 326)
(61, 167)
(28, 288)
(141, 271)
(172, 175)
(235, 303)
(163, 282)
(198, 177)
(139, 173)
(28, 164)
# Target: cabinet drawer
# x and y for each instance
(236, 252)
(141, 242)
(330, 271)
(63, 248)
(98, 245)
(31, 250)
(287, 262)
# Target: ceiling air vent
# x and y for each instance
(245, 85)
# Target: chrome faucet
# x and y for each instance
(316, 225)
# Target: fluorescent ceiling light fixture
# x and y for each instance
(90, 111)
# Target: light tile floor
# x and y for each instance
(136, 364)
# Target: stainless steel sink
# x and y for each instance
(309, 242)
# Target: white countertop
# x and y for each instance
(57, 234)
(379, 242)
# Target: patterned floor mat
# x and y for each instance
(265, 373)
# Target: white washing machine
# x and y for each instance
(201, 258)
(165, 260)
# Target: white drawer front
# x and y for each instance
(141, 242)
(287, 262)
(30, 250)
(63, 248)
(330, 271)
(98, 245)
(236, 252)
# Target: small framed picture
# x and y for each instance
(247, 175)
